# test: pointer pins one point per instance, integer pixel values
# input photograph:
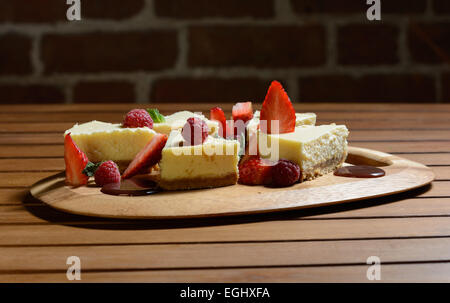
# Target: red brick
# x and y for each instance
(356, 6)
(259, 46)
(51, 11)
(407, 88)
(209, 90)
(33, 93)
(429, 42)
(367, 44)
(104, 51)
(21, 11)
(441, 7)
(104, 92)
(15, 55)
(188, 9)
(445, 84)
(111, 9)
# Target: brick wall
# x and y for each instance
(224, 51)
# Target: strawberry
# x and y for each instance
(242, 111)
(277, 106)
(147, 157)
(217, 114)
(255, 171)
(75, 161)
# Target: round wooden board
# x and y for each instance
(401, 175)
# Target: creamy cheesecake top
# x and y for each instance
(178, 119)
(307, 133)
(100, 127)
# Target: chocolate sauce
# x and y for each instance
(360, 171)
(131, 187)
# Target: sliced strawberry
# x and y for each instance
(242, 111)
(75, 161)
(255, 171)
(217, 114)
(147, 157)
(277, 106)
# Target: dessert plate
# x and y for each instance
(401, 175)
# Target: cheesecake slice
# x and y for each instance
(177, 120)
(318, 150)
(211, 164)
(102, 141)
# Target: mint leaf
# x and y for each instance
(90, 168)
(156, 116)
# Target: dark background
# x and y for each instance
(224, 51)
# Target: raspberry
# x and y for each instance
(195, 131)
(106, 173)
(285, 173)
(255, 171)
(138, 118)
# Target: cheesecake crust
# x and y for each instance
(323, 168)
(195, 183)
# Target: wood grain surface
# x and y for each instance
(409, 231)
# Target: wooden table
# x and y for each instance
(410, 232)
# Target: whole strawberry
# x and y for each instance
(195, 131)
(255, 171)
(285, 173)
(106, 173)
(138, 118)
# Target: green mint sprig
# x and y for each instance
(156, 116)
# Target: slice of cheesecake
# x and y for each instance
(102, 141)
(318, 150)
(211, 164)
(177, 120)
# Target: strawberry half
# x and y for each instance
(277, 106)
(242, 111)
(255, 171)
(75, 161)
(217, 114)
(147, 157)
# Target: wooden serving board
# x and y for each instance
(401, 175)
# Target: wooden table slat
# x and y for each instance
(224, 255)
(304, 106)
(384, 117)
(244, 231)
(391, 273)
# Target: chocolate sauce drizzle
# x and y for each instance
(360, 171)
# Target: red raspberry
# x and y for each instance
(255, 171)
(106, 173)
(195, 131)
(138, 118)
(285, 173)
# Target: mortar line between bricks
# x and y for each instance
(438, 85)
(143, 23)
(429, 11)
